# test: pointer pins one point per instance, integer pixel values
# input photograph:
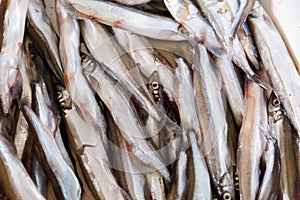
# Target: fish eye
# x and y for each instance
(155, 85)
(84, 58)
(227, 196)
(276, 102)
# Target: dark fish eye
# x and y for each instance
(226, 196)
(155, 85)
(84, 58)
(276, 102)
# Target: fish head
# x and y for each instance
(275, 109)
(226, 187)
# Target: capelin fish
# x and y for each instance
(221, 22)
(48, 118)
(247, 41)
(187, 14)
(77, 86)
(11, 48)
(285, 15)
(136, 21)
(217, 15)
(26, 71)
(199, 183)
(64, 180)
(160, 76)
(22, 129)
(124, 70)
(244, 34)
(213, 125)
(137, 144)
(281, 129)
(234, 92)
(277, 63)
(130, 179)
(179, 184)
(269, 186)
(15, 181)
(146, 58)
(184, 98)
(251, 141)
(91, 156)
(44, 37)
(241, 16)
(107, 53)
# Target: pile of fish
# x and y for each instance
(147, 99)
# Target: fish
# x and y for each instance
(137, 145)
(187, 14)
(238, 51)
(189, 118)
(199, 180)
(285, 16)
(44, 37)
(22, 129)
(48, 118)
(213, 125)
(283, 132)
(91, 157)
(136, 21)
(180, 181)
(247, 41)
(241, 16)
(184, 98)
(277, 63)
(133, 181)
(218, 17)
(234, 92)
(244, 35)
(16, 182)
(251, 141)
(127, 74)
(11, 43)
(146, 58)
(269, 185)
(75, 81)
(64, 180)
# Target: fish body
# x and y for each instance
(65, 182)
(277, 62)
(76, 83)
(241, 16)
(15, 181)
(251, 142)
(11, 42)
(213, 126)
(128, 18)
